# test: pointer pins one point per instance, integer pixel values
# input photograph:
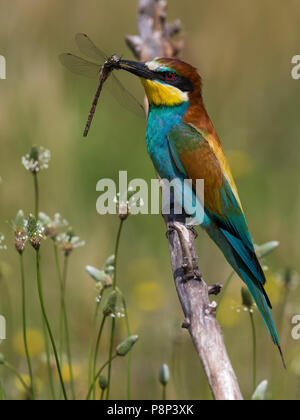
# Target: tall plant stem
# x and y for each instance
(97, 350)
(129, 354)
(164, 392)
(113, 324)
(48, 355)
(92, 341)
(48, 358)
(25, 327)
(41, 297)
(59, 276)
(66, 324)
(254, 350)
(37, 195)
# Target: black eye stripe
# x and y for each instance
(178, 81)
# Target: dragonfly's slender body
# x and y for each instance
(93, 108)
(105, 72)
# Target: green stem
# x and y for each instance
(164, 392)
(225, 287)
(129, 354)
(37, 194)
(111, 346)
(25, 326)
(92, 340)
(2, 392)
(48, 358)
(17, 374)
(48, 355)
(97, 350)
(113, 324)
(61, 304)
(66, 325)
(41, 297)
(97, 376)
(254, 350)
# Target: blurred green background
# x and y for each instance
(243, 51)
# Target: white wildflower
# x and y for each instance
(37, 159)
(20, 231)
(52, 226)
(35, 232)
(68, 242)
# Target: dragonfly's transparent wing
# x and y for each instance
(124, 97)
(83, 67)
(89, 49)
(80, 66)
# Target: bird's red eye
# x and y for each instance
(170, 75)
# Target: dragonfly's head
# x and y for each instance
(167, 81)
(113, 61)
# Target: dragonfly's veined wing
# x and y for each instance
(124, 97)
(80, 66)
(86, 68)
(89, 49)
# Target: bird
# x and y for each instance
(183, 144)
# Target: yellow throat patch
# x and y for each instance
(163, 95)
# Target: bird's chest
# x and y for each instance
(160, 122)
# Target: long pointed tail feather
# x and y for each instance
(255, 287)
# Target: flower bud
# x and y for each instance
(109, 270)
(266, 249)
(260, 392)
(127, 345)
(247, 298)
(110, 261)
(103, 382)
(164, 374)
(110, 305)
(98, 275)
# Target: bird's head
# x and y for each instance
(167, 81)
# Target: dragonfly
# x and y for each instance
(102, 69)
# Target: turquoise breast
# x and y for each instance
(160, 121)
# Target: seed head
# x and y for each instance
(35, 232)
(20, 232)
(37, 159)
(68, 241)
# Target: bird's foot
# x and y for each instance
(186, 323)
(170, 230)
(193, 230)
(215, 289)
(191, 270)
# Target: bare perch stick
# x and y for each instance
(154, 40)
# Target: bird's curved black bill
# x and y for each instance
(136, 68)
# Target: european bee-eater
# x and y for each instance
(183, 144)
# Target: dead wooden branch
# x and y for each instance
(154, 40)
